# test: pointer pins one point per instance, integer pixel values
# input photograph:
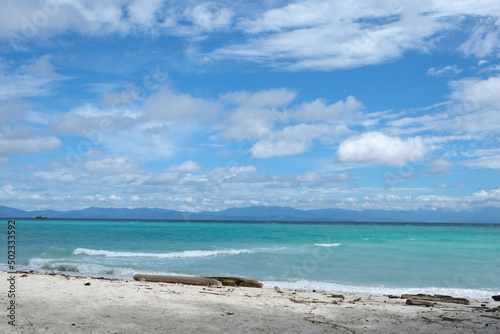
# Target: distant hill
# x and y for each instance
(268, 213)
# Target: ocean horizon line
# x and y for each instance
(253, 221)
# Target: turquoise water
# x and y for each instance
(462, 260)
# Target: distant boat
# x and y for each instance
(40, 217)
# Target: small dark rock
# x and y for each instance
(87, 284)
(496, 298)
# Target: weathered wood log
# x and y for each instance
(437, 298)
(237, 281)
(204, 281)
(419, 302)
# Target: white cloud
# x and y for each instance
(327, 35)
(144, 12)
(22, 85)
(450, 70)
(219, 173)
(24, 146)
(210, 16)
(483, 121)
(165, 178)
(491, 162)
(248, 123)
(267, 149)
(114, 166)
(43, 67)
(440, 167)
(188, 166)
(291, 140)
(169, 106)
(484, 41)
(256, 113)
(317, 178)
(474, 94)
(257, 117)
(318, 110)
(273, 98)
(378, 148)
(12, 111)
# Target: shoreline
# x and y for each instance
(476, 294)
(59, 303)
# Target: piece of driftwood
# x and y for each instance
(419, 302)
(437, 298)
(178, 279)
(213, 293)
(490, 316)
(237, 281)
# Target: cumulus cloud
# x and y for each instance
(475, 94)
(114, 166)
(319, 110)
(247, 123)
(377, 148)
(169, 106)
(286, 131)
(24, 146)
(291, 140)
(165, 178)
(188, 166)
(272, 98)
(266, 149)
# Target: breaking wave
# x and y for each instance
(183, 254)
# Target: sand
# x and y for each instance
(59, 304)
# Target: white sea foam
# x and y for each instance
(183, 254)
(328, 245)
(87, 269)
(471, 294)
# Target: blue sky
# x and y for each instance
(195, 105)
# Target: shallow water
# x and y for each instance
(457, 259)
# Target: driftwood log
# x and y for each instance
(435, 298)
(204, 281)
(237, 281)
(419, 302)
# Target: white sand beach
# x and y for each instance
(61, 304)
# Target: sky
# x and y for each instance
(204, 105)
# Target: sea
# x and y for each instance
(462, 260)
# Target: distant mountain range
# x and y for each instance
(268, 213)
